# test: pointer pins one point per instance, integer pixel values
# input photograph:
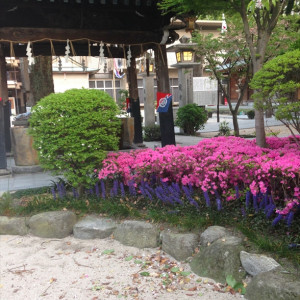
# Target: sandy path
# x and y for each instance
(35, 268)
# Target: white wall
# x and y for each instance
(66, 81)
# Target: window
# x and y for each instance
(106, 86)
(100, 84)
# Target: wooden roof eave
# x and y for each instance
(84, 42)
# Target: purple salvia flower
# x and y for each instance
(176, 187)
(53, 193)
(237, 193)
(97, 190)
(158, 195)
(193, 202)
(248, 195)
(219, 204)
(243, 212)
(63, 188)
(277, 219)
(266, 198)
(186, 190)
(207, 200)
(149, 195)
(103, 189)
(60, 190)
(261, 203)
(290, 218)
(115, 187)
(149, 188)
(142, 190)
(122, 189)
(255, 202)
(267, 207)
(177, 199)
(132, 190)
(153, 179)
(270, 211)
(217, 193)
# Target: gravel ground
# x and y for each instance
(36, 268)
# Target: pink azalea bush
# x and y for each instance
(225, 166)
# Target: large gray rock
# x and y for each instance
(212, 234)
(13, 226)
(137, 234)
(220, 259)
(53, 224)
(94, 228)
(255, 264)
(275, 285)
(179, 245)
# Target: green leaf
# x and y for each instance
(145, 274)
(174, 269)
(108, 251)
(231, 281)
(128, 258)
(138, 262)
(184, 273)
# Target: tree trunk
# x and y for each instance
(41, 78)
(235, 123)
(135, 102)
(259, 117)
(163, 85)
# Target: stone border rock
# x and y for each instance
(219, 253)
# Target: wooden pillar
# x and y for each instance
(163, 85)
(4, 98)
(135, 102)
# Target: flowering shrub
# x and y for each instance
(226, 168)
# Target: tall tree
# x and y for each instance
(263, 14)
(227, 56)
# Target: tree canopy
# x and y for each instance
(259, 18)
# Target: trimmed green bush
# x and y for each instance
(72, 132)
(251, 114)
(152, 133)
(191, 118)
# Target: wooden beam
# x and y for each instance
(81, 49)
(24, 35)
